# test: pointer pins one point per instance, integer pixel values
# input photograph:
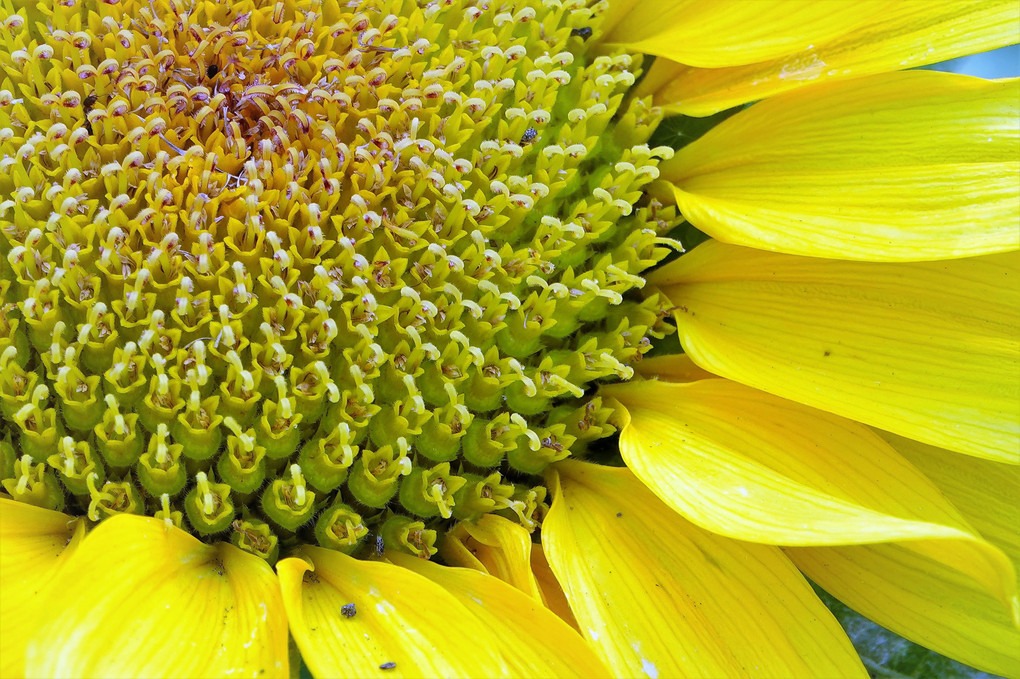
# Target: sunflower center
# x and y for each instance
(301, 272)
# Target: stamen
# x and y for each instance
(208, 506)
(340, 528)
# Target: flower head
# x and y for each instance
(301, 259)
(300, 298)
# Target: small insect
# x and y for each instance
(388, 665)
(348, 610)
(380, 545)
(211, 71)
(529, 136)
(86, 106)
(583, 33)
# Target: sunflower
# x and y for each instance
(364, 333)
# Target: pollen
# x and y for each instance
(345, 274)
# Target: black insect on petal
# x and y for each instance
(529, 136)
(348, 610)
(388, 665)
(212, 70)
(584, 32)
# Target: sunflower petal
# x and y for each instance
(627, 563)
(733, 32)
(920, 599)
(927, 350)
(400, 617)
(454, 552)
(986, 493)
(672, 368)
(552, 647)
(36, 543)
(900, 166)
(500, 546)
(170, 605)
(498, 551)
(552, 593)
(751, 466)
(905, 34)
(403, 625)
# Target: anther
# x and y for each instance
(170, 517)
(534, 442)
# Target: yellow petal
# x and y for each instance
(168, 604)
(546, 646)
(456, 553)
(35, 543)
(752, 466)
(658, 596)
(928, 350)
(400, 617)
(986, 493)
(733, 32)
(672, 368)
(897, 167)
(920, 599)
(907, 33)
(552, 593)
(500, 546)
(498, 552)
